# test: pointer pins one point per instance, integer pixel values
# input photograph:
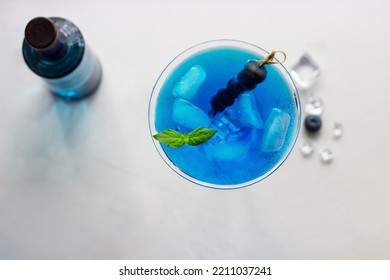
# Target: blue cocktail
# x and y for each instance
(255, 122)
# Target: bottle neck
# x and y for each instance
(58, 48)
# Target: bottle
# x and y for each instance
(54, 49)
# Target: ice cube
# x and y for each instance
(249, 115)
(232, 149)
(226, 124)
(305, 72)
(188, 115)
(227, 151)
(314, 105)
(189, 83)
(275, 130)
(221, 134)
(229, 124)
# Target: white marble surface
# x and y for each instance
(84, 181)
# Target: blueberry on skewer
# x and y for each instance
(253, 74)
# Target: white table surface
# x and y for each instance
(84, 181)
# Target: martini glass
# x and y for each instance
(254, 135)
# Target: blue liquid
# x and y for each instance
(222, 64)
(70, 69)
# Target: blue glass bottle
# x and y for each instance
(54, 49)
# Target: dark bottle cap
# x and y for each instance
(40, 33)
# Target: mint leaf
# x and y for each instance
(175, 139)
(170, 137)
(200, 136)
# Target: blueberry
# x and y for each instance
(225, 99)
(313, 123)
(234, 89)
(245, 81)
(216, 105)
(254, 72)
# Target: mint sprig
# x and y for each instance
(175, 139)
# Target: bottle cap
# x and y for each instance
(41, 33)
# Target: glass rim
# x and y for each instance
(176, 61)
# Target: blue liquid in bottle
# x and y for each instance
(54, 49)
